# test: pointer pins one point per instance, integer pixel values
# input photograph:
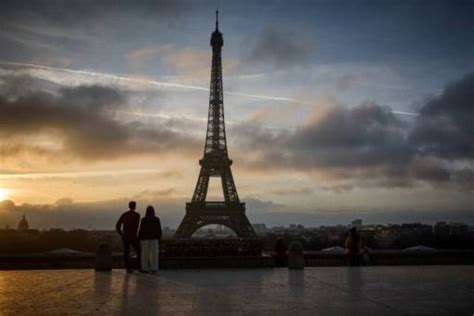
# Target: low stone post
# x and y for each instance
(103, 258)
(295, 256)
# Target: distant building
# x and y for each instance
(168, 232)
(278, 230)
(296, 227)
(260, 228)
(441, 228)
(458, 229)
(23, 224)
(415, 228)
(357, 223)
(386, 237)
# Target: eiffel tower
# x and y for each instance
(215, 163)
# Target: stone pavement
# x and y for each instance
(396, 290)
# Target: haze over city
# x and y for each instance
(334, 110)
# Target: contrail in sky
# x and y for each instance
(405, 113)
(163, 84)
(160, 115)
(143, 81)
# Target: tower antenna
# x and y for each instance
(217, 20)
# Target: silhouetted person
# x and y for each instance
(353, 247)
(150, 236)
(130, 221)
(280, 253)
(365, 256)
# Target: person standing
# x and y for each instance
(150, 236)
(280, 253)
(127, 227)
(353, 247)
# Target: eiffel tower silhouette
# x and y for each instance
(215, 163)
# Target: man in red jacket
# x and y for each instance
(130, 221)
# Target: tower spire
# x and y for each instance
(217, 20)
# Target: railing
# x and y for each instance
(215, 204)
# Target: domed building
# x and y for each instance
(23, 224)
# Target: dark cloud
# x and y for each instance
(366, 135)
(338, 188)
(369, 145)
(430, 170)
(279, 47)
(436, 172)
(148, 193)
(366, 144)
(84, 33)
(82, 123)
(67, 13)
(293, 191)
(15, 85)
(445, 126)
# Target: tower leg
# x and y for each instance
(187, 227)
(202, 185)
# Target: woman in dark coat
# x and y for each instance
(150, 236)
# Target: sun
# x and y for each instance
(4, 194)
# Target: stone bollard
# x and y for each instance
(295, 256)
(103, 258)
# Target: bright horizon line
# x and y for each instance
(33, 175)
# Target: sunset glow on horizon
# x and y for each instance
(4, 194)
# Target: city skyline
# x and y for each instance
(259, 227)
(334, 111)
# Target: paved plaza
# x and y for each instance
(400, 290)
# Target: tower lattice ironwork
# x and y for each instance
(215, 163)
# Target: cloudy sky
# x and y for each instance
(334, 109)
